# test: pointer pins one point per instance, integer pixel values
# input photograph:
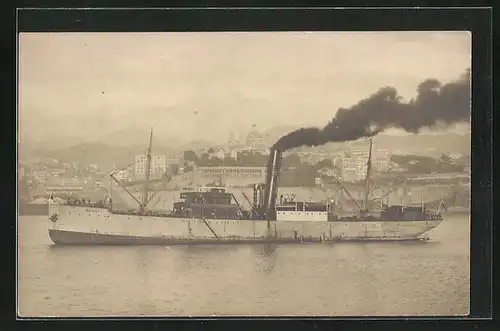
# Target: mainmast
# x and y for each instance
(368, 179)
(145, 197)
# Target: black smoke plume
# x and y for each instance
(435, 103)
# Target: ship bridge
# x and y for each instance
(215, 203)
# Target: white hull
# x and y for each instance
(94, 226)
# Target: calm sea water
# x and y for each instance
(343, 279)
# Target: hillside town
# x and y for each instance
(241, 163)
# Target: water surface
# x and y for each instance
(342, 279)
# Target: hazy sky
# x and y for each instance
(205, 85)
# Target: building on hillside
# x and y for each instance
(123, 175)
(254, 140)
(352, 168)
(21, 172)
(455, 156)
(337, 162)
(230, 176)
(381, 158)
(324, 171)
(318, 181)
(39, 175)
(327, 172)
(175, 159)
(349, 174)
(306, 157)
(232, 154)
(218, 153)
(158, 166)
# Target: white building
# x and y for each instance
(39, 175)
(361, 168)
(318, 181)
(158, 165)
(21, 173)
(233, 154)
(353, 168)
(254, 140)
(123, 175)
(381, 158)
(455, 156)
(219, 153)
(230, 176)
(349, 174)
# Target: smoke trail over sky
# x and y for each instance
(435, 103)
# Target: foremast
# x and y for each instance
(145, 196)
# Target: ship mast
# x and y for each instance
(367, 180)
(145, 198)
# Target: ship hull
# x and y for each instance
(78, 225)
(62, 237)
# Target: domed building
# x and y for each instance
(254, 140)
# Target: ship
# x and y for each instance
(215, 216)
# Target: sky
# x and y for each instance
(85, 86)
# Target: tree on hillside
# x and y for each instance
(252, 159)
(204, 160)
(292, 160)
(325, 163)
(305, 175)
(187, 167)
(191, 156)
(230, 162)
(174, 169)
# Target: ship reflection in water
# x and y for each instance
(340, 279)
(266, 257)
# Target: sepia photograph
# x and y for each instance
(244, 174)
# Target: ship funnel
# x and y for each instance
(271, 189)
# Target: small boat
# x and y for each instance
(37, 207)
